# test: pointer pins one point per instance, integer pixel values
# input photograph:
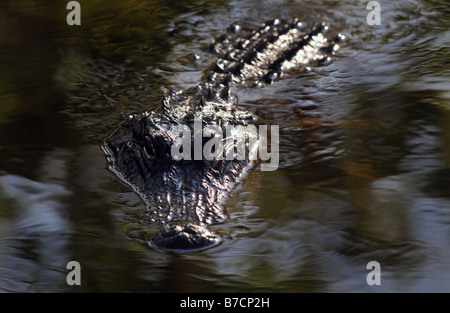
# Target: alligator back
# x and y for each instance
(268, 52)
(184, 195)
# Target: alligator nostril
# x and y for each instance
(186, 238)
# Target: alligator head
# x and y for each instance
(184, 192)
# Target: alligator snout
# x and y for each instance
(185, 238)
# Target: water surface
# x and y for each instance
(365, 154)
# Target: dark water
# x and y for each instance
(365, 153)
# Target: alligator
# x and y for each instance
(186, 195)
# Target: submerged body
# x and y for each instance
(185, 195)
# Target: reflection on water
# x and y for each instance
(364, 152)
(34, 234)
